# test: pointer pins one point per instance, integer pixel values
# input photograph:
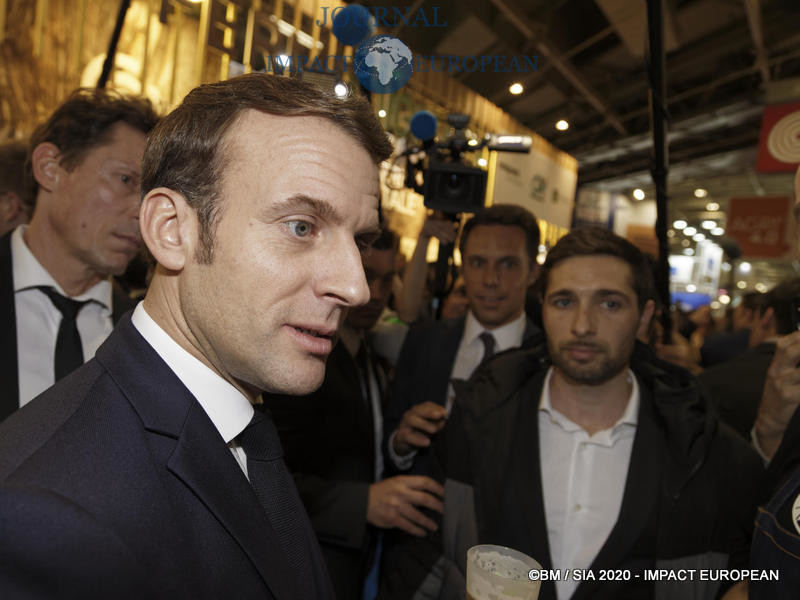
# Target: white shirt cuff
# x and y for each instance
(403, 463)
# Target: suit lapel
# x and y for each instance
(641, 493)
(219, 483)
(201, 459)
(9, 370)
(445, 351)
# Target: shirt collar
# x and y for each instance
(629, 417)
(28, 273)
(505, 337)
(227, 407)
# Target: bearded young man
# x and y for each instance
(586, 452)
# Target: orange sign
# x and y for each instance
(759, 224)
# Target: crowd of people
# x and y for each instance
(283, 416)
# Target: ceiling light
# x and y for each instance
(691, 288)
(761, 287)
(726, 266)
(718, 231)
(670, 233)
(698, 237)
(708, 224)
(482, 162)
(472, 142)
(741, 284)
(690, 231)
(381, 113)
(725, 299)
(638, 193)
(516, 88)
(700, 193)
(686, 243)
(689, 252)
(341, 89)
(712, 207)
(679, 224)
(715, 305)
(744, 267)
(562, 125)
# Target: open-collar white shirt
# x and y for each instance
(229, 410)
(583, 482)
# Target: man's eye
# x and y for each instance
(299, 228)
(611, 304)
(126, 179)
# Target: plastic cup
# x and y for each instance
(498, 573)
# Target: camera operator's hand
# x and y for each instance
(419, 423)
(394, 502)
(781, 395)
(444, 230)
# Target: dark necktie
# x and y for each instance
(69, 350)
(277, 494)
(488, 345)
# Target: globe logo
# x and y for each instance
(383, 64)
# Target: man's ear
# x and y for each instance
(46, 166)
(169, 227)
(644, 320)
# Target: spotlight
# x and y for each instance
(516, 89)
(708, 224)
(638, 193)
(700, 193)
(712, 207)
(690, 231)
(341, 90)
(562, 125)
(679, 224)
(381, 112)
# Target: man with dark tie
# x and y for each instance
(333, 438)
(498, 247)
(147, 473)
(58, 301)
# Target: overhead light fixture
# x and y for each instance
(381, 113)
(341, 90)
(690, 231)
(708, 224)
(638, 193)
(698, 237)
(689, 252)
(715, 305)
(712, 207)
(516, 89)
(562, 125)
(670, 233)
(760, 287)
(726, 266)
(679, 224)
(718, 231)
(691, 288)
(700, 193)
(482, 162)
(741, 284)
(725, 299)
(472, 142)
(744, 267)
(685, 243)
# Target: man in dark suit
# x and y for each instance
(58, 301)
(147, 473)
(586, 452)
(736, 385)
(498, 247)
(332, 439)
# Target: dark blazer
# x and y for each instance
(116, 476)
(328, 438)
(424, 366)
(9, 369)
(736, 386)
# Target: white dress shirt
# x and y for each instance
(229, 410)
(583, 481)
(38, 319)
(468, 357)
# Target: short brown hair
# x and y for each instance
(593, 241)
(506, 214)
(82, 123)
(182, 153)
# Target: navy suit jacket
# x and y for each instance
(424, 366)
(115, 483)
(9, 369)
